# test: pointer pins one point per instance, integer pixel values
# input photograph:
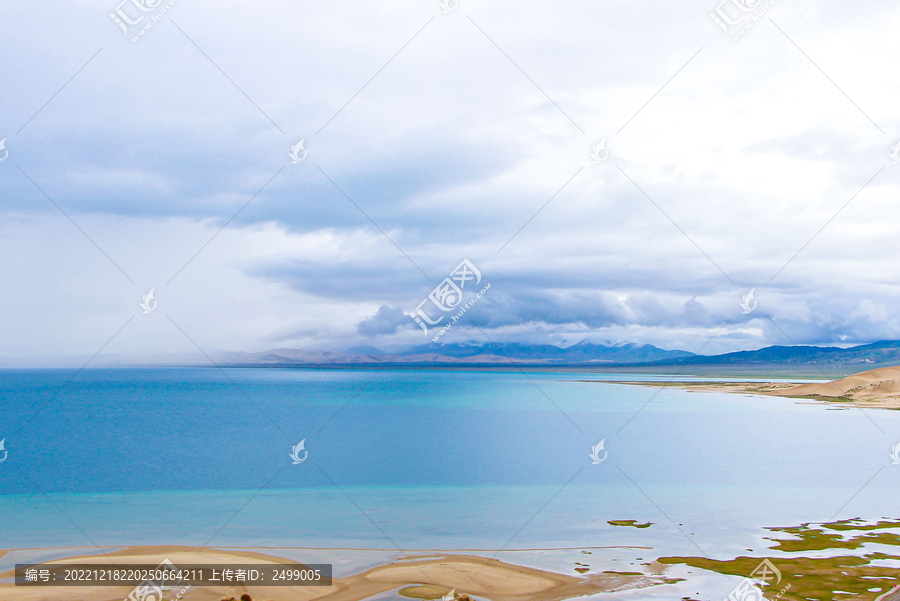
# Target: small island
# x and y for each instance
(632, 523)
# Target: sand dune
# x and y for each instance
(874, 388)
(468, 574)
(874, 385)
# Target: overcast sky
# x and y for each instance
(734, 163)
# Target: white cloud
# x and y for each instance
(450, 150)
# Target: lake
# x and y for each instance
(425, 459)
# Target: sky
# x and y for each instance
(723, 162)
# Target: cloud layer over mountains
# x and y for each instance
(432, 138)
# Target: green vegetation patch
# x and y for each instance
(815, 539)
(632, 523)
(859, 524)
(808, 579)
(424, 591)
(623, 573)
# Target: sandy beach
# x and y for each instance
(877, 388)
(468, 574)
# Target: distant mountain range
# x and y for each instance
(583, 354)
(433, 353)
(886, 352)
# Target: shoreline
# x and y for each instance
(443, 572)
(851, 563)
(840, 398)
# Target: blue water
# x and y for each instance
(422, 460)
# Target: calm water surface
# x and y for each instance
(437, 459)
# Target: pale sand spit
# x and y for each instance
(877, 388)
(468, 574)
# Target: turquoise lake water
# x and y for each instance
(417, 459)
